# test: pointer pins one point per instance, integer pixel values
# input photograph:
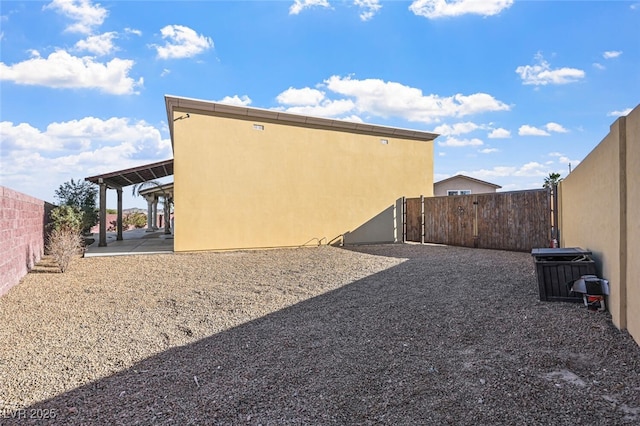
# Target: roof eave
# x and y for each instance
(289, 118)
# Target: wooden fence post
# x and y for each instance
(422, 224)
(404, 219)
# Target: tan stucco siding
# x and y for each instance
(590, 213)
(237, 187)
(633, 223)
(459, 183)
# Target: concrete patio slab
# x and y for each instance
(135, 241)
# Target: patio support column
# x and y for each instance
(103, 214)
(155, 213)
(149, 214)
(167, 213)
(119, 218)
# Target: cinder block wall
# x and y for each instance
(22, 222)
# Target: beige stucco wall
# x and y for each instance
(590, 212)
(598, 201)
(460, 183)
(237, 187)
(633, 223)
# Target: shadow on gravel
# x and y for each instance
(446, 337)
(46, 265)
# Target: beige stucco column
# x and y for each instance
(149, 214)
(155, 213)
(167, 214)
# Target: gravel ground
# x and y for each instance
(388, 334)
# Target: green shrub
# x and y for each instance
(67, 217)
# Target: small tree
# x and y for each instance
(65, 241)
(80, 194)
(552, 180)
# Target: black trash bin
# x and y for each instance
(557, 268)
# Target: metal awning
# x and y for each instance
(134, 175)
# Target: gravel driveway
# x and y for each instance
(387, 334)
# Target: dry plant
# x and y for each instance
(64, 244)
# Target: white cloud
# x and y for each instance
(599, 66)
(299, 5)
(62, 70)
(369, 8)
(297, 97)
(182, 42)
(610, 54)
(499, 133)
(526, 130)
(619, 113)
(555, 127)
(443, 8)
(531, 169)
(386, 99)
(454, 142)
(86, 15)
(98, 44)
(165, 72)
(327, 108)
(542, 74)
(133, 31)
(37, 161)
(563, 159)
(353, 118)
(489, 150)
(456, 129)
(236, 100)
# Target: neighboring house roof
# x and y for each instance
(468, 178)
(243, 112)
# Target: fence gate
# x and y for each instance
(518, 221)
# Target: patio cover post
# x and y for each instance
(119, 218)
(103, 214)
(155, 213)
(167, 213)
(149, 214)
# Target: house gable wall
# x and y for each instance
(287, 185)
(460, 183)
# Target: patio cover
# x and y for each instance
(134, 175)
(118, 180)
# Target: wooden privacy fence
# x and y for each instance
(517, 221)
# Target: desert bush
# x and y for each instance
(64, 244)
(137, 220)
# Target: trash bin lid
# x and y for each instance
(564, 251)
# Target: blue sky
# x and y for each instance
(517, 89)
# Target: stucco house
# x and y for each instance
(463, 185)
(256, 178)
